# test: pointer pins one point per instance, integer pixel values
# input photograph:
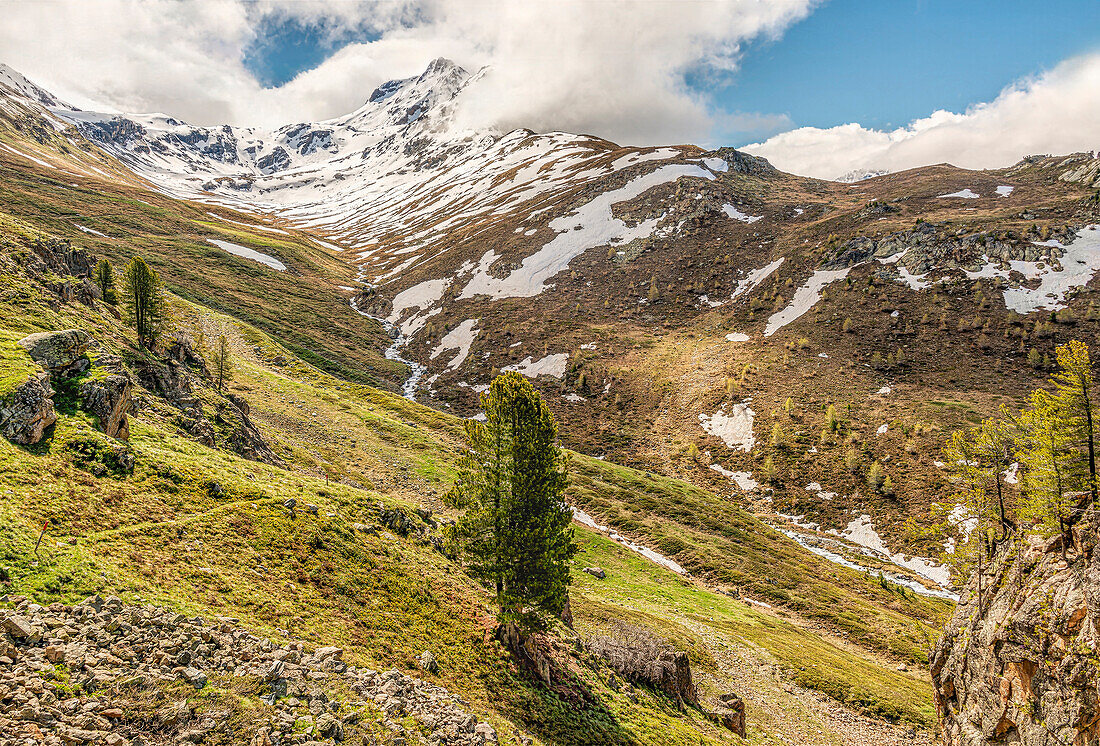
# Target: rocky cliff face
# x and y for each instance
(1019, 663)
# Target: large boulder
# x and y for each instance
(107, 394)
(60, 353)
(27, 411)
(731, 714)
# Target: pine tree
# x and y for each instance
(146, 308)
(105, 279)
(515, 532)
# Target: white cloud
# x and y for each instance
(1056, 112)
(607, 67)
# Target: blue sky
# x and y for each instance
(882, 63)
(887, 62)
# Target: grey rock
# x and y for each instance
(27, 411)
(18, 626)
(428, 662)
(57, 352)
(107, 394)
(194, 677)
(596, 572)
(1015, 663)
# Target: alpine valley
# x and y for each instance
(754, 373)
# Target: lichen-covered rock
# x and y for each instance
(27, 411)
(107, 394)
(60, 353)
(1017, 663)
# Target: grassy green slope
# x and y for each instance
(163, 533)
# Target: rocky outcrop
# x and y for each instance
(104, 385)
(27, 411)
(65, 674)
(61, 268)
(636, 654)
(931, 246)
(60, 353)
(107, 394)
(731, 713)
(1018, 662)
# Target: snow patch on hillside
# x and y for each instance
(551, 365)
(805, 298)
(734, 429)
(755, 277)
(586, 520)
(590, 225)
(732, 212)
(421, 296)
(460, 338)
(742, 479)
(961, 194)
(1080, 261)
(247, 253)
(861, 531)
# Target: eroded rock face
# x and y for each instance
(108, 395)
(1018, 662)
(28, 411)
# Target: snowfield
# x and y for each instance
(246, 253)
(551, 365)
(1079, 263)
(590, 225)
(734, 429)
(732, 212)
(962, 194)
(805, 298)
(460, 338)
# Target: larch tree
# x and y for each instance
(977, 460)
(1073, 389)
(1053, 477)
(146, 308)
(515, 531)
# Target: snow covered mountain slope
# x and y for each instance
(390, 181)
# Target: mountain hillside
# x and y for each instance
(755, 372)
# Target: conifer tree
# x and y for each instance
(1073, 389)
(105, 279)
(1052, 473)
(146, 308)
(515, 532)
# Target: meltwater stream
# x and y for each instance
(416, 370)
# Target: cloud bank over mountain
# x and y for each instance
(613, 68)
(1056, 112)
